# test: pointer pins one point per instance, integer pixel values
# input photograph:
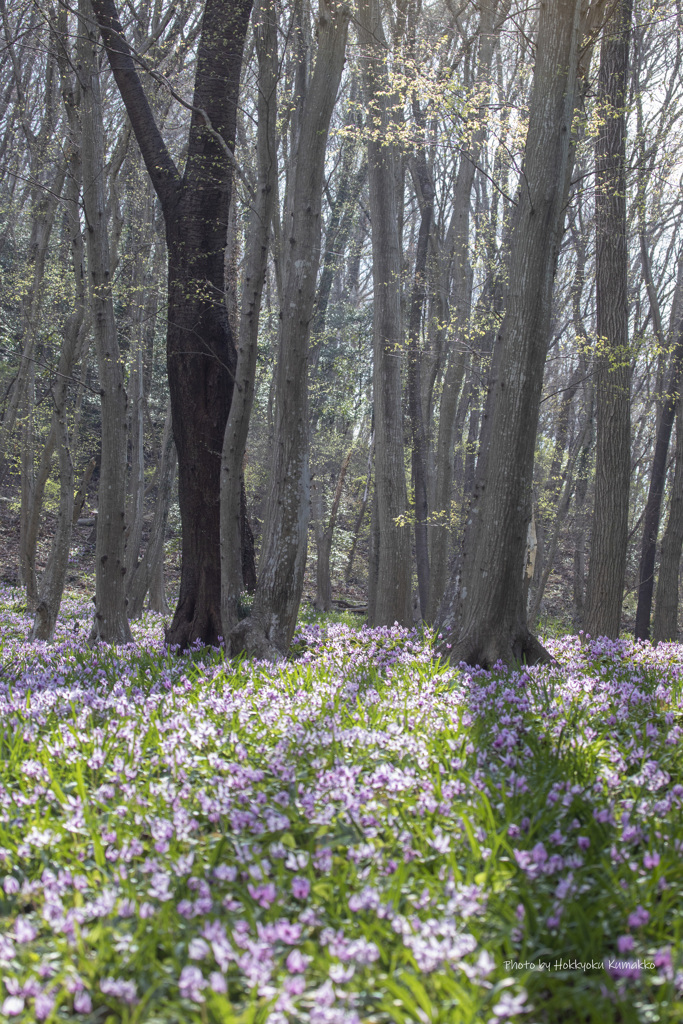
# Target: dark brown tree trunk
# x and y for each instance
(201, 365)
(201, 355)
(486, 619)
(607, 567)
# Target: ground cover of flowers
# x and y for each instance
(361, 834)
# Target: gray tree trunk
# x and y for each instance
(45, 201)
(361, 511)
(235, 439)
(665, 619)
(609, 540)
(110, 623)
(668, 395)
(149, 570)
(324, 535)
(73, 348)
(140, 242)
(268, 631)
(460, 273)
(23, 394)
(485, 618)
(424, 188)
(390, 569)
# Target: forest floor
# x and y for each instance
(81, 574)
(360, 834)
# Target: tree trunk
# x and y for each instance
(45, 202)
(146, 572)
(655, 495)
(486, 618)
(110, 623)
(441, 526)
(248, 546)
(323, 537)
(425, 189)
(556, 493)
(74, 345)
(607, 567)
(158, 601)
(201, 355)
(23, 394)
(28, 490)
(389, 593)
(560, 515)
(82, 492)
(361, 510)
(234, 540)
(139, 242)
(460, 273)
(269, 630)
(665, 622)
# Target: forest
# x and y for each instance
(341, 511)
(379, 306)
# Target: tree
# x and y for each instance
(111, 620)
(201, 355)
(485, 617)
(665, 622)
(609, 539)
(455, 298)
(390, 569)
(258, 233)
(73, 346)
(269, 629)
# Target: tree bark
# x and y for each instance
(653, 508)
(461, 278)
(323, 542)
(564, 502)
(140, 240)
(110, 623)
(233, 517)
(361, 511)
(425, 189)
(485, 621)
(390, 584)
(201, 355)
(146, 571)
(665, 621)
(607, 566)
(269, 630)
(23, 395)
(74, 344)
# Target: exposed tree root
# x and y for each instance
(249, 637)
(488, 648)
